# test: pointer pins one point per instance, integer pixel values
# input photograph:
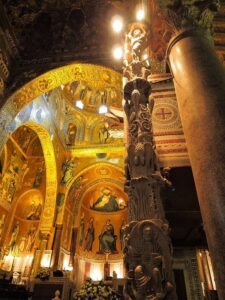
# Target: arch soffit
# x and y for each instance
(51, 176)
(92, 166)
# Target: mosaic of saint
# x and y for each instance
(107, 201)
(107, 238)
(11, 178)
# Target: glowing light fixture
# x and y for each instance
(140, 14)
(79, 104)
(117, 52)
(117, 24)
(103, 109)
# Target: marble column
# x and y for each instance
(199, 80)
(56, 246)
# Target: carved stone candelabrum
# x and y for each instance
(147, 247)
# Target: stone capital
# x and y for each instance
(187, 14)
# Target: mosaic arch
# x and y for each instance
(51, 176)
(85, 183)
(96, 166)
(97, 77)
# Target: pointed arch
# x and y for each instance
(51, 176)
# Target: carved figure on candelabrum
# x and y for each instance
(136, 50)
(147, 247)
(141, 166)
(147, 257)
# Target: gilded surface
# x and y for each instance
(87, 187)
(51, 177)
(97, 77)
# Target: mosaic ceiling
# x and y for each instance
(55, 27)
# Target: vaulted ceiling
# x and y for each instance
(39, 35)
(77, 29)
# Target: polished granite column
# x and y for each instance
(199, 80)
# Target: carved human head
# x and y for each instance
(135, 96)
(136, 32)
(139, 271)
(147, 233)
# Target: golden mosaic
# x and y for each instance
(51, 176)
(97, 77)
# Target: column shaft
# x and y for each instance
(56, 247)
(199, 80)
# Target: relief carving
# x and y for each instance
(141, 165)
(136, 43)
(186, 14)
(147, 257)
(147, 247)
